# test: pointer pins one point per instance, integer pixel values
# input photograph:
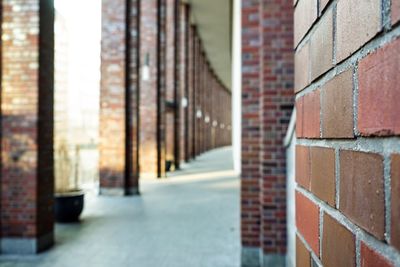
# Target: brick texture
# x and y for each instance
(321, 45)
(309, 117)
(302, 66)
(112, 95)
(379, 92)
(303, 170)
(323, 174)
(27, 179)
(267, 102)
(277, 105)
(305, 14)
(303, 256)
(371, 258)
(251, 132)
(395, 178)
(361, 190)
(148, 101)
(130, 106)
(357, 22)
(118, 97)
(395, 11)
(347, 126)
(307, 221)
(337, 107)
(338, 244)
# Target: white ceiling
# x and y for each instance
(213, 20)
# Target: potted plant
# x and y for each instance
(69, 199)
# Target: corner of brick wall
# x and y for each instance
(347, 158)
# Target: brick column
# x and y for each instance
(276, 106)
(162, 65)
(119, 96)
(170, 80)
(191, 90)
(268, 82)
(347, 163)
(179, 140)
(27, 175)
(185, 84)
(251, 132)
(152, 89)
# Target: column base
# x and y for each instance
(254, 257)
(274, 260)
(119, 192)
(251, 257)
(26, 246)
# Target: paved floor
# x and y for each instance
(190, 219)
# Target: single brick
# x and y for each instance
(303, 170)
(302, 67)
(300, 117)
(362, 197)
(303, 256)
(395, 11)
(395, 177)
(357, 22)
(379, 92)
(311, 115)
(337, 107)
(307, 221)
(371, 258)
(304, 16)
(338, 244)
(321, 46)
(323, 174)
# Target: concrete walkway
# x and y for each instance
(190, 219)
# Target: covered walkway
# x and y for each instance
(190, 219)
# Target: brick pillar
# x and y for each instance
(347, 163)
(170, 81)
(196, 73)
(27, 175)
(184, 69)
(162, 65)
(152, 89)
(277, 106)
(191, 89)
(119, 96)
(251, 133)
(267, 107)
(178, 122)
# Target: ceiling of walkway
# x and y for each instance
(213, 20)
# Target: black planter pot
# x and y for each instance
(69, 206)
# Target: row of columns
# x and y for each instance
(172, 105)
(139, 88)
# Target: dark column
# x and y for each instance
(161, 85)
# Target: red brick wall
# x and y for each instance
(267, 103)
(347, 85)
(27, 179)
